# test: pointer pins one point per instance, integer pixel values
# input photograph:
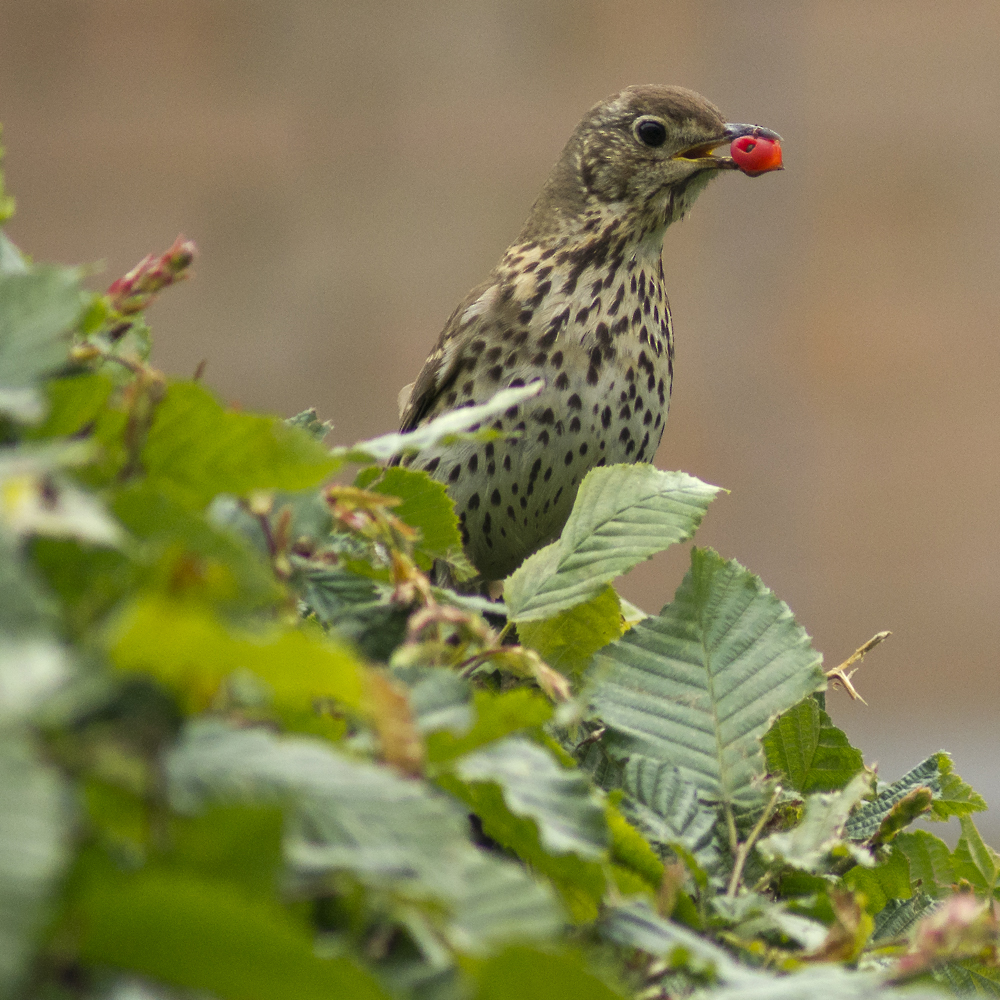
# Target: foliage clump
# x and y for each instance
(249, 749)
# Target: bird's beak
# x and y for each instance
(703, 152)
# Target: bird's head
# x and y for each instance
(645, 151)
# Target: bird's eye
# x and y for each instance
(651, 131)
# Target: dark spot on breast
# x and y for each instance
(432, 464)
(539, 359)
(506, 463)
(494, 353)
(574, 425)
(638, 404)
(511, 360)
(451, 398)
(473, 463)
(559, 428)
(489, 450)
(519, 338)
(548, 339)
(547, 417)
(548, 474)
(651, 383)
(631, 392)
(487, 524)
(562, 381)
(574, 402)
(511, 514)
(529, 267)
(625, 413)
(617, 300)
(468, 387)
(583, 448)
(659, 417)
(637, 316)
(524, 316)
(540, 292)
(620, 327)
(606, 417)
(593, 375)
(581, 316)
(601, 461)
(476, 347)
(569, 457)
(511, 411)
(545, 509)
(491, 467)
(524, 503)
(474, 502)
(495, 498)
(647, 418)
(514, 488)
(557, 359)
(454, 474)
(543, 438)
(626, 435)
(495, 373)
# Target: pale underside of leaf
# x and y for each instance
(623, 514)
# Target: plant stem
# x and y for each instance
(743, 851)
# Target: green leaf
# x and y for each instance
(954, 797)
(563, 804)
(809, 845)
(630, 851)
(530, 974)
(889, 879)
(808, 752)
(203, 449)
(447, 428)
(186, 647)
(635, 925)
(73, 404)
(698, 685)
(666, 809)
(309, 421)
(204, 934)
(497, 715)
(35, 832)
(569, 640)
(899, 915)
(38, 310)
(951, 796)
(622, 515)
(931, 868)
(427, 507)
(11, 259)
(362, 818)
(975, 861)
(580, 882)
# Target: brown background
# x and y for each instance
(349, 170)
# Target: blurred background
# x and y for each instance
(350, 169)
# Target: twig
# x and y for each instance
(844, 675)
(743, 851)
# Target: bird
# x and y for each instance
(578, 302)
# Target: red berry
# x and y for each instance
(756, 155)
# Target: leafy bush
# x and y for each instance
(249, 749)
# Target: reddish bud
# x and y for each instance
(134, 291)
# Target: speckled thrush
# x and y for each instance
(577, 300)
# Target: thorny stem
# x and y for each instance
(743, 851)
(844, 675)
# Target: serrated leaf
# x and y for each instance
(35, 831)
(699, 684)
(427, 507)
(899, 915)
(975, 861)
(889, 879)
(666, 808)
(630, 851)
(203, 934)
(441, 430)
(808, 752)
(358, 817)
(186, 647)
(560, 801)
(809, 845)
(38, 309)
(960, 800)
(954, 797)
(440, 699)
(931, 868)
(203, 449)
(622, 515)
(569, 640)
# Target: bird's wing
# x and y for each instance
(442, 368)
